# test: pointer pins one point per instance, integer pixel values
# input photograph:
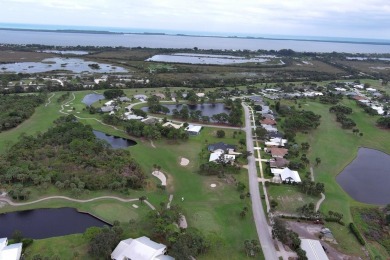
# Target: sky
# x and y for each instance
(330, 18)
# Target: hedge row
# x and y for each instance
(357, 234)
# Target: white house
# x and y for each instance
(287, 175)
(314, 249)
(194, 129)
(214, 156)
(141, 248)
(170, 124)
(276, 142)
(200, 95)
(10, 252)
(378, 109)
(359, 86)
(371, 89)
(109, 103)
(269, 128)
(340, 89)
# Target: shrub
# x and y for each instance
(357, 234)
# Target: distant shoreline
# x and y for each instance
(193, 35)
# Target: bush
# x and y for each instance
(357, 234)
(220, 134)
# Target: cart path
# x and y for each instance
(17, 204)
(49, 100)
(322, 194)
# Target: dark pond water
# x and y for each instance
(207, 108)
(367, 178)
(44, 223)
(92, 98)
(114, 141)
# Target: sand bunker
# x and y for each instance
(160, 176)
(213, 185)
(184, 161)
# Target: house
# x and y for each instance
(314, 249)
(221, 146)
(124, 99)
(269, 128)
(170, 124)
(141, 248)
(159, 95)
(194, 129)
(133, 117)
(278, 163)
(286, 175)
(359, 86)
(200, 95)
(107, 109)
(327, 235)
(277, 152)
(341, 89)
(269, 116)
(268, 121)
(217, 154)
(275, 142)
(150, 121)
(10, 252)
(371, 89)
(109, 103)
(141, 97)
(274, 135)
(356, 97)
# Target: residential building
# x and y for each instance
(194, 129)
(277, 152)
(268, 121)
(170, 124)
(221, 146)
(141, 248)
(286, 175)
(10, 252)
(278, 163)
(314, 249)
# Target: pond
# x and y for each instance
(207, 109)
(114, 141)
(92, 98)
(68, 64)
(207, 58)
(66, 52)
(44, 223)
(367, 178)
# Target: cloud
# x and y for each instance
(368, 18)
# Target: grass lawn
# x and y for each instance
(337, 148)
(289, 198)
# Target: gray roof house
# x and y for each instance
(220, 145)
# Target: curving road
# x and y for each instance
(266, 241)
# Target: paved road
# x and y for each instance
(266, 241)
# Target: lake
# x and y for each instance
(44, 223)
(92, 98)
(179, 42)
(367, 177)
(114, 141)
(50, 64)
(205, 59)
(207, 109)
(66, 52)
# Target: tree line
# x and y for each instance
(16, 108)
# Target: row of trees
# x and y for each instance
(16, 108)
(69, 156)
(300, 121)
(341, 112)
(384, 122)
(156, 131)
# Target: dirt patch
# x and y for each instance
(170, 186)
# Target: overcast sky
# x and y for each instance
(333, 18)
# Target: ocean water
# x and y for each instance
(296, 43)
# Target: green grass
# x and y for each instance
(65, 247)
(337, 148)
(289, 198)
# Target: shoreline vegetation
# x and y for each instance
(284, 38)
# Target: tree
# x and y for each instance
(142, 199)
(260, 132)
(220, 134)
(318, 160)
